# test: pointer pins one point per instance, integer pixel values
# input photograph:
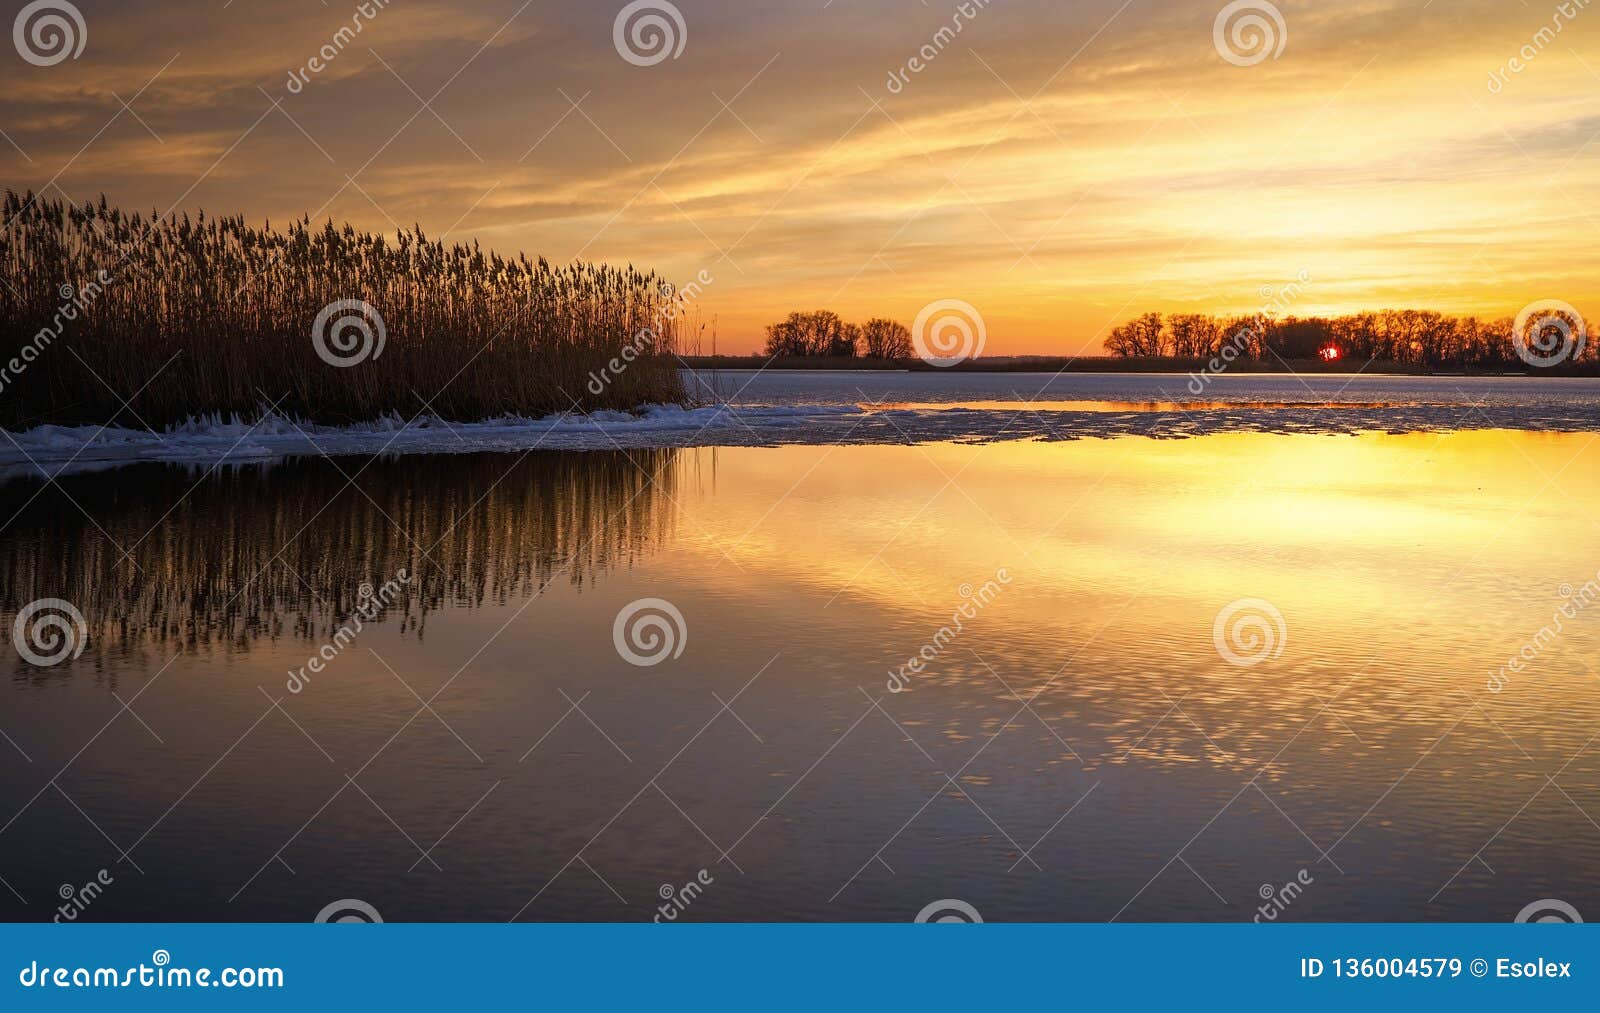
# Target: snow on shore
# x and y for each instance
(771, 410)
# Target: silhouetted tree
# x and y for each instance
(846, 342)
(1194, 334)
(1140, 336)
(886, 339)
(820, 332)
(1408, 337)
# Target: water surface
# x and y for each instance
(1082, 748)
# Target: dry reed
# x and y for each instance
(214, 316)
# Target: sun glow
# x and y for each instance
(1059, 197)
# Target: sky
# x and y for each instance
(1059, 166)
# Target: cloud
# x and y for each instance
(1055, 163)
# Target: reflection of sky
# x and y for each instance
(1126, 550)
(1405, 568)
(1145, 172)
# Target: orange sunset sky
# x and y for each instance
(1061, 166)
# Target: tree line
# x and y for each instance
(1409, 337)
(822, 333)
(1420, 338)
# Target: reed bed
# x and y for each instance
(213, 316)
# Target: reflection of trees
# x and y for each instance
(283, 550)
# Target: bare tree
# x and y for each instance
(1408, 337)
(787, 338)
(886, 339)
(1142, 336)
(846, 341)
(820, 332)
(1194, 334)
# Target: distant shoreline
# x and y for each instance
(1113, 364)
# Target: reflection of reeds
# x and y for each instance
(235, 305)
(281, 551)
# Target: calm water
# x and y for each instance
(1083, 747)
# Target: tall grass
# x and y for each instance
(212, 315)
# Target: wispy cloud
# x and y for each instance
(1055, 164)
